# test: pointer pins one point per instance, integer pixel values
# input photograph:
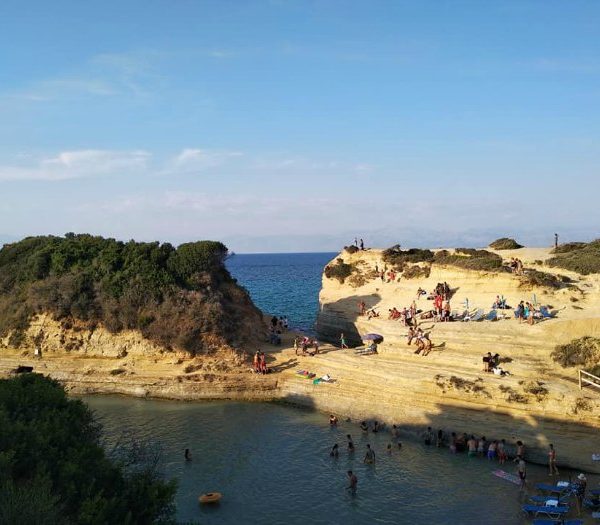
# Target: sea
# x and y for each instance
(272, 462)
(283, 284)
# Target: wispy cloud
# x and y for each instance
(78, 164)
(103, 75)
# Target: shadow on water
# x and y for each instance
(340, 317)
(575, 442)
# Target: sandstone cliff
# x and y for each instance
(539, 403)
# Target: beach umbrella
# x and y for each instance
(373, 337)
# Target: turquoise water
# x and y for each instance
(283, 283)
(272, 464)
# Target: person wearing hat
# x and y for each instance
(578, 488)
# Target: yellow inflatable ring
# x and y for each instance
(211, 497)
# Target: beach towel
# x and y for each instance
(508, 477)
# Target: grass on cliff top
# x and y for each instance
(535, 278)
(580, 257)
(505, 243)
(181, 297)
(470, 259)
(583, 353)
(397, 257)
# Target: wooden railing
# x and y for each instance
(585, 378)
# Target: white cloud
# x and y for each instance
(192, 158)
(78, 164)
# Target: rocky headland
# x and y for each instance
(540, 402)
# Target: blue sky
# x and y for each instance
(288, 125)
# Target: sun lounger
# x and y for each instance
(477, 316)
(590, 504)
(458, 316)
(544, 487)
(544, 521)
(541, 500)
(545, 510)
(365, 351)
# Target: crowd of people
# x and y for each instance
(494, 450)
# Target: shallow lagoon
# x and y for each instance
(272, 464)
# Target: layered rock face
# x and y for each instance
(539, 402)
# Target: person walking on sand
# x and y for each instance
(552, 461)
(353, 482)
(343, 341)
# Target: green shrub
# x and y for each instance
(52, 461)
(416, 272)
(505, 243)
(470, 259)
(397, 257)
(351, 249)
(583, 352)
(184, 294)
(535, 278)
(340, 270)
(583, 258)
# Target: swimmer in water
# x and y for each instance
(353, 482)
(334, 451)
(364, 427)
(389, 448)
(350, 443)
(333, 421)
(369, 456)
(188, 455)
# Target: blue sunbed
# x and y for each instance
(545, 510)
(541, 500)
(544, 521)
(551, 488)
(590, 504)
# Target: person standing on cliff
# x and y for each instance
(343, 341)
(555, 241)
(362, 245)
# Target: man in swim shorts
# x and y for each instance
(522, 469)
(369, 456)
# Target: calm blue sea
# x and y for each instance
(283, 283)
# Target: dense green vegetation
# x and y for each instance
(176, 297)
(470, 259)
(580, 257)
(535, 278)
(53, 469)
(583, 353)
(397, 258)
(340, 270)
(505, 243)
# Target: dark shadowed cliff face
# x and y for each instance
(177, 297)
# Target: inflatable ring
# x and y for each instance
(211, 497)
